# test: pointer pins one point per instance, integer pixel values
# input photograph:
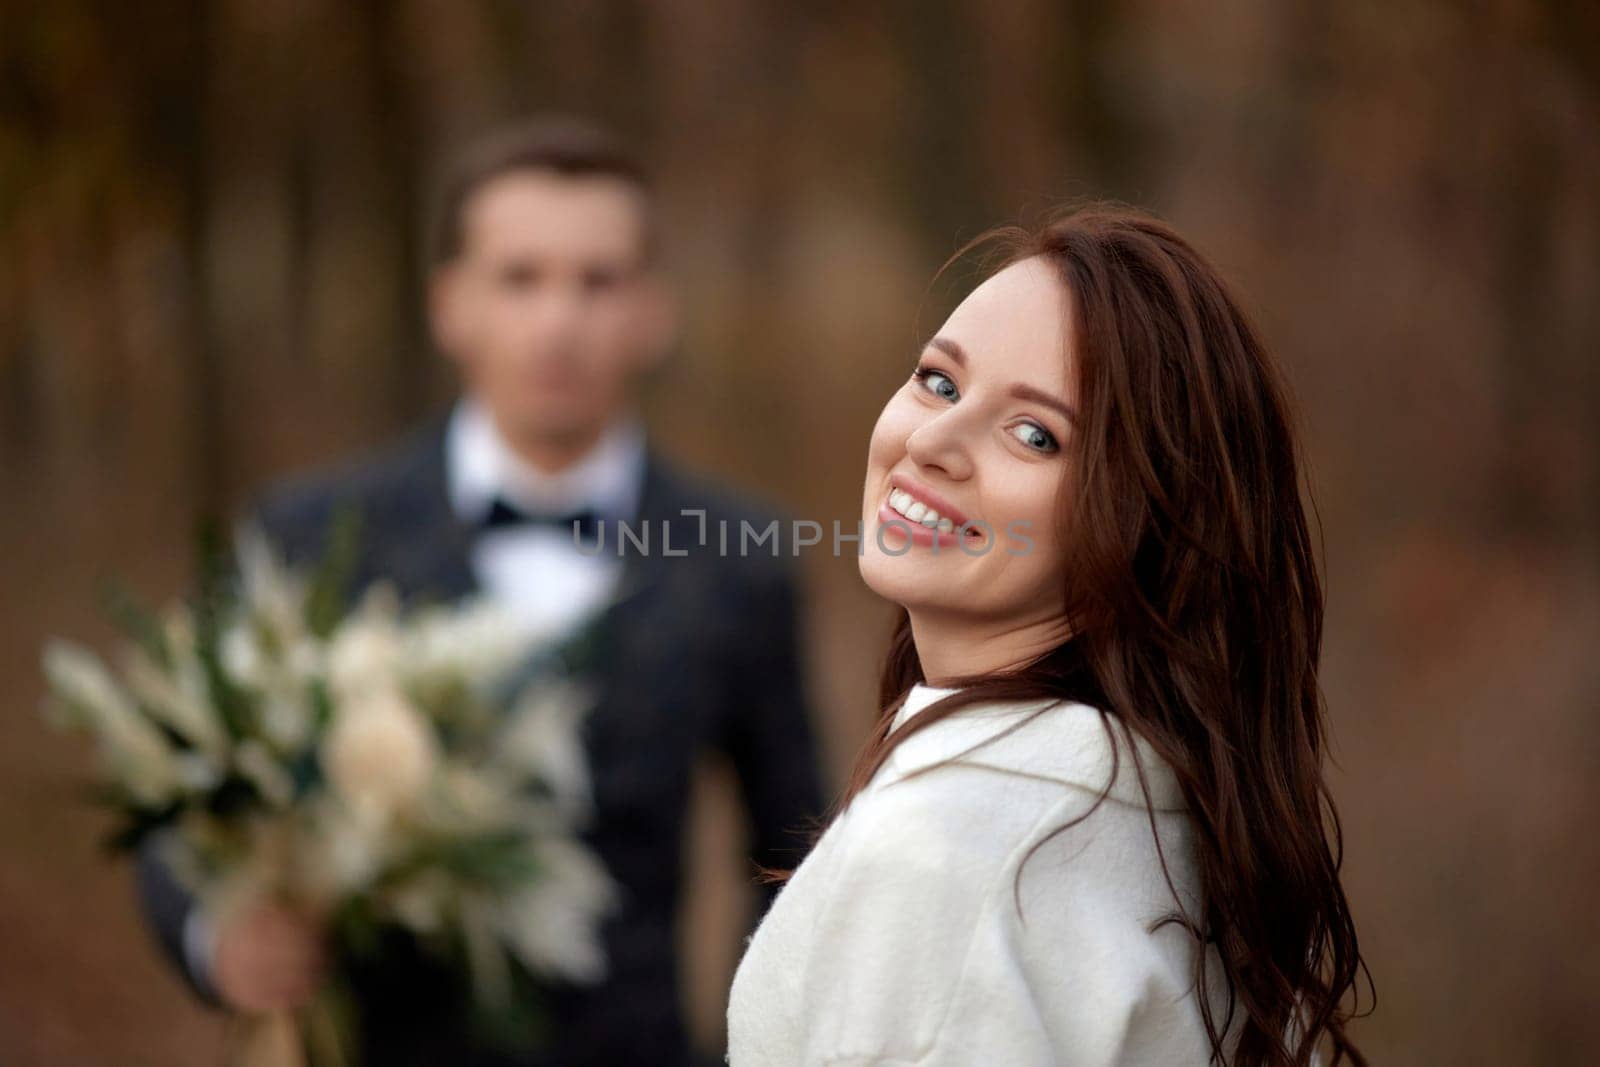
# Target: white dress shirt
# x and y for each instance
(537, 571)
(897, 939)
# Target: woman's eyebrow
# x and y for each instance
(1020, 391)
(1039, 396)
(949, 348)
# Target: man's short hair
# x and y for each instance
(567, 145)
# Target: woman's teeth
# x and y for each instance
(903, 503)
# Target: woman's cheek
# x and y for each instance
(1025, 528)
(889, 435)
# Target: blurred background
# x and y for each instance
(210, 219)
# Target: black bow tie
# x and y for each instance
(503, 516)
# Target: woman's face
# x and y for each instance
(978, 434)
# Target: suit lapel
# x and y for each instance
(642, 572)
(628, 634)
(432, 549)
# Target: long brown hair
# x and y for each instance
(1196, 607)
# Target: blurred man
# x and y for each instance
(545, 293)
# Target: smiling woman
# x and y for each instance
(969, 437)
(1089, 828)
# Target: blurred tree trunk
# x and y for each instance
(205, 394)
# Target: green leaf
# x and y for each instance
(326, 601)
(138, 622)
(214, 605)
(138, 823)
(357, 928)
(502, 859)
(522, 1025)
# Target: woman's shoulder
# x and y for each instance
(963, 802)
(1067, 742)
(940, 905)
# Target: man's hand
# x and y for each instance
(268, 958)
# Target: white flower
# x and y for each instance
(366, 650)
(303, 660)
(470, 799)
(142, 759)
(196, 773)
(420, 903)
(553, 924)
(379, 753)
(285, 719)
(348, 851)
(274, 593)
(242, 657)
(246, 661)
(542, 739)
(180, 697)
(269, 777)
(475, 641)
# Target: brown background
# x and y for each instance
(208, 261)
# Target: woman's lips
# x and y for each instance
(916, 531)
(919, 492)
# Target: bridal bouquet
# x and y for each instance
(371, 765)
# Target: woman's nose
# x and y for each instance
(942, 443)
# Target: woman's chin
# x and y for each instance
(915, 579)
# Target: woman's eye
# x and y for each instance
(1035, 437)
(936, 383)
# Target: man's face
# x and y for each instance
(550, 308)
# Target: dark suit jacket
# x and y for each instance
(701, 652)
